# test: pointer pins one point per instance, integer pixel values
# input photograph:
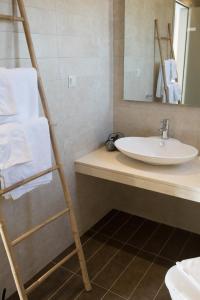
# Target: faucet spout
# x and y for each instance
(164, 129)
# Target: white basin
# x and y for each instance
(156, 151)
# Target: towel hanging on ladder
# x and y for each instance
(38, 137)
(18, 95)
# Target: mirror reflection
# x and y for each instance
(161, 47)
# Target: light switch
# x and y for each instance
(72, 81)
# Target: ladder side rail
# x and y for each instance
(7, 243)
(171, 41)
(13, 265)
(65, 188)
(162, 60)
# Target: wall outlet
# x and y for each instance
(192, 29)
(72, 81)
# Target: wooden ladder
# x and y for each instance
(169, 39)
(8, 244)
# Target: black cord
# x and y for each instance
(4, 294)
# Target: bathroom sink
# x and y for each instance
(156, 151)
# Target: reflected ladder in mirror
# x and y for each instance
(159, 39)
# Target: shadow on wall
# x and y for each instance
(3, 295)
(165, 209)
(97, 195)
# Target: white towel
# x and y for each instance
(179, 286)
(191, 269)
(37, 132)
(7, 102)
(14, 147)
(175, 93)
(174, 89)
(173, 70)
(18, 95)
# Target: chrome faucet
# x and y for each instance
(164, 129)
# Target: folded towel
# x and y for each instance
(37, 133)
(191, 269)
(18, 95)
(14, 148)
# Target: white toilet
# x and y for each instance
(180, 287)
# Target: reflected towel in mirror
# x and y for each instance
(174, 88)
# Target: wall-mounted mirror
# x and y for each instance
(161, 51)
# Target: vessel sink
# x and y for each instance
(156, 151)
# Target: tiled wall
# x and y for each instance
(143, 119)
(71, 37)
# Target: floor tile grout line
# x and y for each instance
(87, 260)
(160, 256)
(185, 244)
(103, 289)
(83, 244)
(60, 288)
(106, 223)
(100, 249)
(132, 260)
(114, 294)
(118, 240)
(153, 261)
(109, 238)
(142, 249)
(162, 285)
(117, 251)
(123, 245)
(147, 251)
(110, 292)
(109, 260)
(129, 218)
(73, 273)
(95, 232)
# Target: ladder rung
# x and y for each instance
(47, 274)
(38, 227)
(163, 38)
(27, 180)
(11, 18)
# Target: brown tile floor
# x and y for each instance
(127, 258)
